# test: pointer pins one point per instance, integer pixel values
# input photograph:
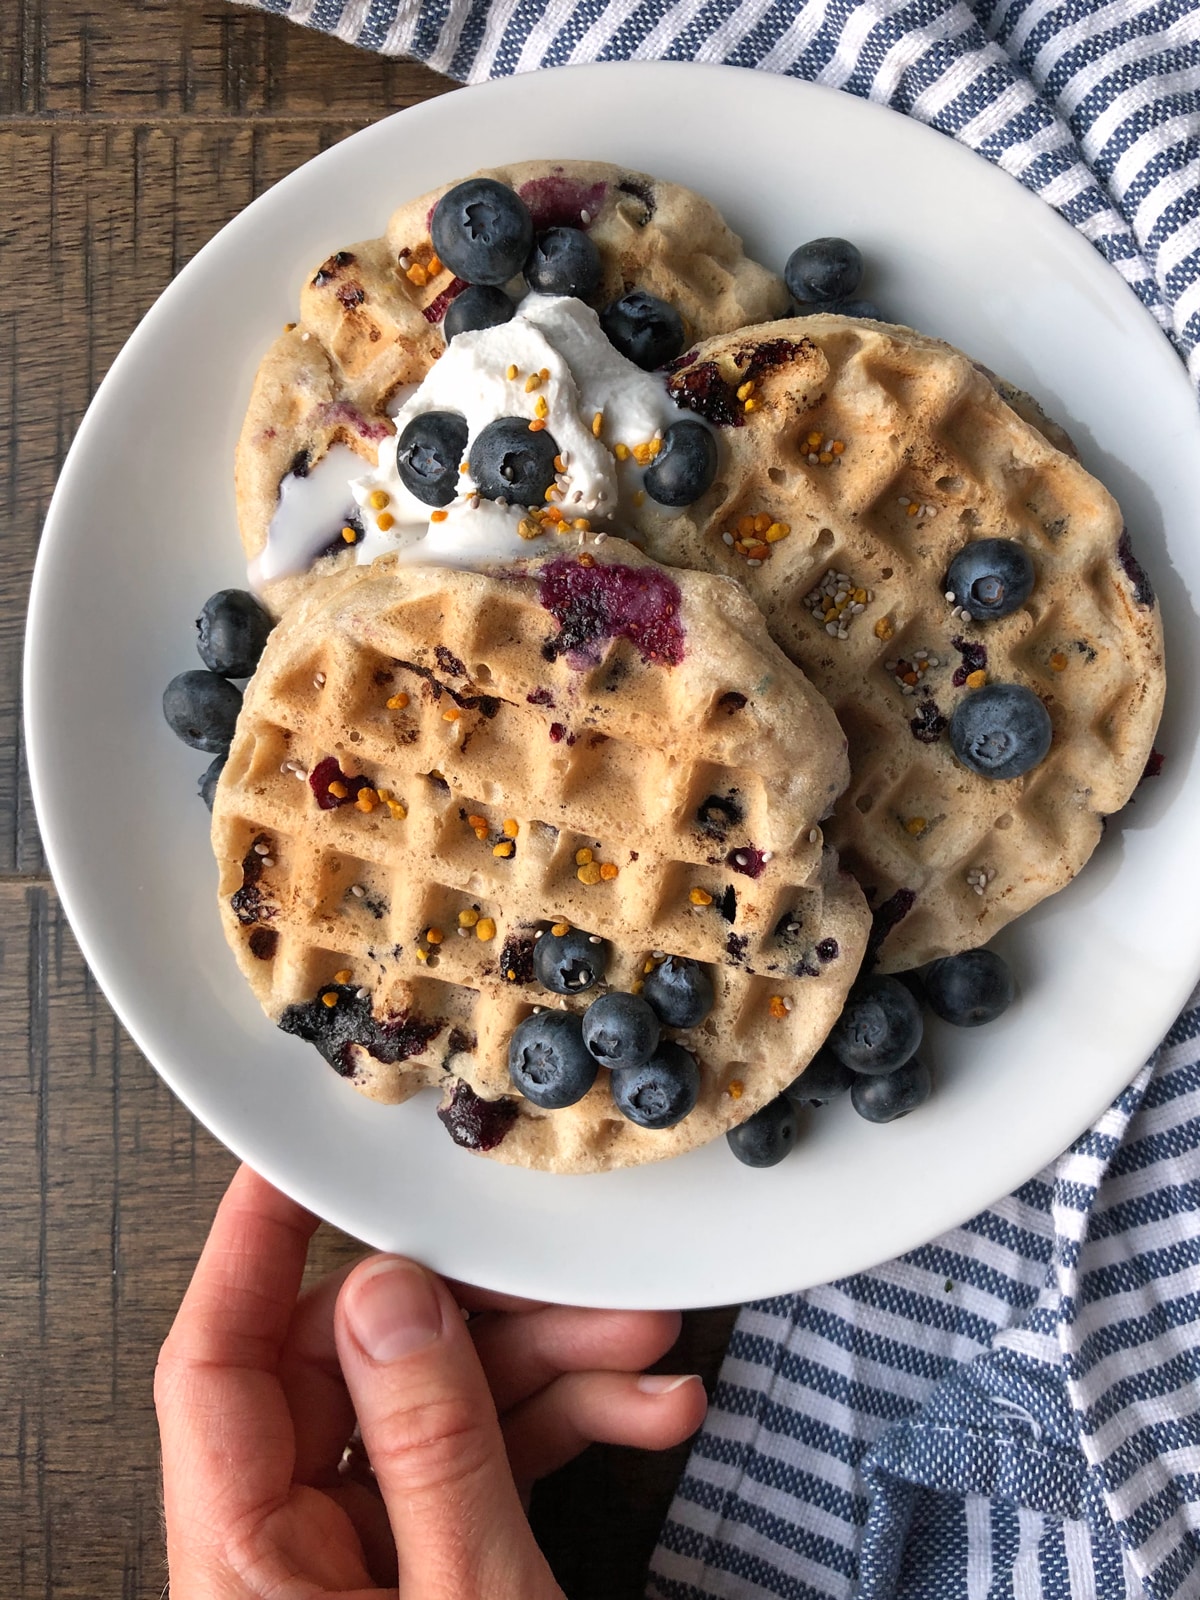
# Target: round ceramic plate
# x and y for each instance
(142, 529)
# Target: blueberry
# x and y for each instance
(685, 466)
(661, 1092)
(569, 963)
(548, 1061)
(645, 329)
(824, 269)
(990, 577)
(889, 1095)
(232, 630)
(880, 1026)
(207, 787)
(564, 261)
(765, 1138)
(510, 463)
(1000, 731)
(429, 453)
(681, 992)
(482, 231)
(969, 989)
(620, 1030)
(202, 709)
(823, 1079)
(478, 306)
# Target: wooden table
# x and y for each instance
(130, 131)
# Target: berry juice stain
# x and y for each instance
(929, 724)
(747, 861)
(440, 304)
(591, 604)
(326, 772)
(886, 917)
(249, 902)
(704, 390)
(475, 1123)
(557, 201)
(1143, 589)
(335, 1029)
(974, 659)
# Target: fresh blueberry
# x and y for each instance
(824, 270)
(510, 463)
(564, 261)
(823, 1079)
(681, 992)
(207, 787)
(685, 466)
(661, 1092)
(765, 1138)
(548, 1060)
(1001, 730)
(482, 231)
(480, 305)
(620, 1030)
(202, 709)
(429, 453)
(571, 962)
(232, 630)
(880, 1026)
(645, 329)
(889, 1095)
(990, 577)
(969, 989)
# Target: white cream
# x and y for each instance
(585, 375)
(311, 512)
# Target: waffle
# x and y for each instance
(881, 452)
(368, 327)
(663, 791)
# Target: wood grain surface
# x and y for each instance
(130, 131)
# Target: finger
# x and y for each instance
(431, 1432)
(523, 1354)
(226, 1431)
(645, 1412)
(316, 1393)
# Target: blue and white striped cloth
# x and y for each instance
(1012, 1412)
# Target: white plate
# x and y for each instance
(142, 529)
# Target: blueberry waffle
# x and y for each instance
(434, 769)
(371, 321)
(962, 591)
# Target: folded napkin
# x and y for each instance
(1012, 1412)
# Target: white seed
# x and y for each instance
(600, 538)
(726, 538)
(261, 849)
(585, 217)
(754, 562)
(593, 938)
(951, 596)
(357, 890)
(319, 680)
(268, 861)
(831, 628)
(362, 994)
(814, 835)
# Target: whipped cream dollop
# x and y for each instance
(565, 372)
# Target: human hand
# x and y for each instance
(258, 1388)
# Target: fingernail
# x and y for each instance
(664, 1382)
(393, 1309)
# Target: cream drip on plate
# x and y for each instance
(565, 373)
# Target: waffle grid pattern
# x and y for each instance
(351, 892)
(931, 458)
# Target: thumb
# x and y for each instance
(430, 1429)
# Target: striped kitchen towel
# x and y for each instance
(1093, 104)
(1012, 1412)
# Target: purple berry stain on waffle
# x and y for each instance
(1143, 589)
(747, 860)
(704, 390)
(341, 1017)
(328, 772)
(475, 1123)
(929, 724)
(974, 659)
(557, 201)
(594, 603)
(887, 916)
(248, 902)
